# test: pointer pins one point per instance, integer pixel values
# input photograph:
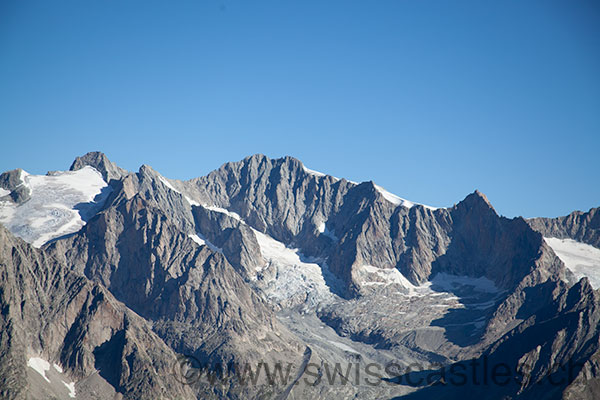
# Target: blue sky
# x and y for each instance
(430, 99)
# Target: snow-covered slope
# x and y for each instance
(582, 259)
(60, 204)
(56, 382)
(373, 276)
(312, 172)
(290, 279)
(399, 201)
(202, 241)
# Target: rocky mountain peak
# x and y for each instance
(98, 160)
(146, 170)
(252, 167)
(12, 182)
(9, 180)
(266, 259)
(477, 200)
(253, 159)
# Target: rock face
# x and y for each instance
(579, 226)
(137, 252)
(54, 313)
(109, 170)
(139, 247)
(12, 182)
(280, 198)
(236, 240)
(551, 355)
(264, 260)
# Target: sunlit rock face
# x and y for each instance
(110, 277)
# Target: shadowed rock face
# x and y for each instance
(168, 267)
(52, 312)
(236, 240)
(553, 354)
(579, 226)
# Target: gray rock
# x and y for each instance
(109, 170)
(580, 226)
(197, 302)
(11, 181)
(236, 239)
(136, 266)
(52, 312)
(551, 355)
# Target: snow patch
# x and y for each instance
(167, 183)
(40, 366)
(192, 202)
(580, 258)
(399, 201)
(322, 229)
(202, 241)
(57, 368)
(59, 204)
(312, 172)
(223, 211)
(71, 387)
(4, 192)
(369, 275)
(317, 173)
(197, 239)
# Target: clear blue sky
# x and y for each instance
(430, 99)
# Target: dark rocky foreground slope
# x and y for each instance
(263, 260)
(51, 311)
(552, 355)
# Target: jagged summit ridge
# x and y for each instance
(265, 259)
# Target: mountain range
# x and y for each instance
(265, 279)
